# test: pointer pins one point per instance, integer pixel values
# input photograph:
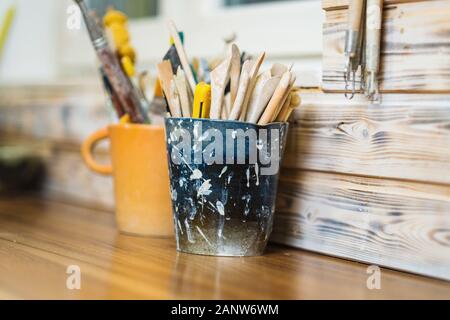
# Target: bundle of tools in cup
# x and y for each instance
(231, 89)
(125, 89)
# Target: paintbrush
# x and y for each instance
(126, 93)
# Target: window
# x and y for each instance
(230, 3)
(133, 9)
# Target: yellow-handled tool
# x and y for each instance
(202, 100)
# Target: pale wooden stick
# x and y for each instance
(253, 76)
(257, 91)
(165, 78)
(238, 103)
(295, 103)
(219, 79)
(182, 54)
(262, 101)
(175, 98)
(180, 82)
(286, 94)
(278, 69)
(276, 99)
(235, 72)
(285, 109)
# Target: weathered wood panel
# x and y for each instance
(405, 137)
(67, 177)
(343, 4)
(415, 48)
(397, 224)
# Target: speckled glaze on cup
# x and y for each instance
(222, 209)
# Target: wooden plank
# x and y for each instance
(396, 224)
(329, 5)
(415, 48)
(405, 137)
(67, 177)
(40, 239)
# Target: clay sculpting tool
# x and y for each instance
(285, 97)
(278, 69)
(264, 89)
(175, 98)
(202, 101)
(219, 79)
(253, 76)
(182, 88)
(295, 102)
(182, 55)
(353, 36)
(235, 71)
(239, 102)
(372, 53)
(284, 109)
(165, 77)
(120, 82)
(276, 99)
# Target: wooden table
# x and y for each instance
(39, 239)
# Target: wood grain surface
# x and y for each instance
(415, 50)
(399, 224)
(406, 137)
(343, 4)
(40, 239)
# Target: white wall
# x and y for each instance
(42, 50)
(31, 50)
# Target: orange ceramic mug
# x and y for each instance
(141, 177)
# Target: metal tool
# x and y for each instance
(374, 13)
(353, 43)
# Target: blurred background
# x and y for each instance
(51, 97)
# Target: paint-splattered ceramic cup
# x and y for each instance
(223, 182)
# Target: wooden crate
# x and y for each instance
(415, 51)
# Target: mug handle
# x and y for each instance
(87, 148)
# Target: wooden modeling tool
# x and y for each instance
(239, 102)
(175, 98)
(263, 99)
(286, 95)
(182, 54)
(165, 77)
(235, 72)
(182, 88)
(295, 103)
(278, 69)
(276, 99)
(219, 79)
(202, 101)
(284, 109)
(257, 91)
(252, 82)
